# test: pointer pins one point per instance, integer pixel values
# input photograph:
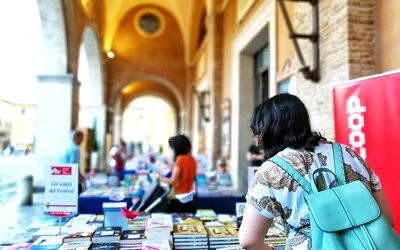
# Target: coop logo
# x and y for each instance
(355, 122)
(56, 170)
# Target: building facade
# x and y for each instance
(212, 60)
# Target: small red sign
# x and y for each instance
(58, 170)
(60, 214)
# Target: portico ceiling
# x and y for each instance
(115, 10)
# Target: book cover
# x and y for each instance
(81, 219)
(47, 231)
(47, 242)
(19, 246)
(159, 227)
(132, 236)
(222, 232)
(76, 245)
(137, 246)
(206, 214)
(107, 234)
(79, 236)
(104, 246)
(184, 218)
(189, 230)
(156, 245)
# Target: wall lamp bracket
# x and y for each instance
(314, 73)
(203, 98)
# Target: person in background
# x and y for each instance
(183, 174)
(71, 154)
(224, 177)
(118, 158)
(254, 155)
(284, 127)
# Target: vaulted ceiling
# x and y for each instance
(115, 10)
(141, 55)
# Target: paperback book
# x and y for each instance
(104, 246)
(47, 243)
(107, 234)
(189, 230)
(78, 237)
(132, 236)
(76, 245)
(222, 232)
(156, 245)
(206, 214)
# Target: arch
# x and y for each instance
(145, 87)
(92, 111)
(160, 80)
(54, 41)
(117, 102)
(152, 128)
(92, 86)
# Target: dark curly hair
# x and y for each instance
(180, 144)
(283, 121)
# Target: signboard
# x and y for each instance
(61, 190)
(367, 118)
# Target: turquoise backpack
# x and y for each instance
(343, 217)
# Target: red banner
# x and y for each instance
(367, 118)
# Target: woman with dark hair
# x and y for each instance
(183, 173)
(283, 125)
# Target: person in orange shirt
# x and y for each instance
(183, 174)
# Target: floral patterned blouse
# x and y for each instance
(273, 193)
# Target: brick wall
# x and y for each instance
(361, 25)
(346, 52)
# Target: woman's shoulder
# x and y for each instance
(269, 172)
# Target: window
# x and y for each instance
(149, 23)
(261, 67)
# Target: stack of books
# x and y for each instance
(107, 234)
(222, 236)
(159, 227)
(132, 239)
(156, 245)
(190, 236)
(276, 235)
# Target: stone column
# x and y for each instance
(54, 116)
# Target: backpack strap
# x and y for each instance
(338, 160)
(292, 172)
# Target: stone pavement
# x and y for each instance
(15, 220)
